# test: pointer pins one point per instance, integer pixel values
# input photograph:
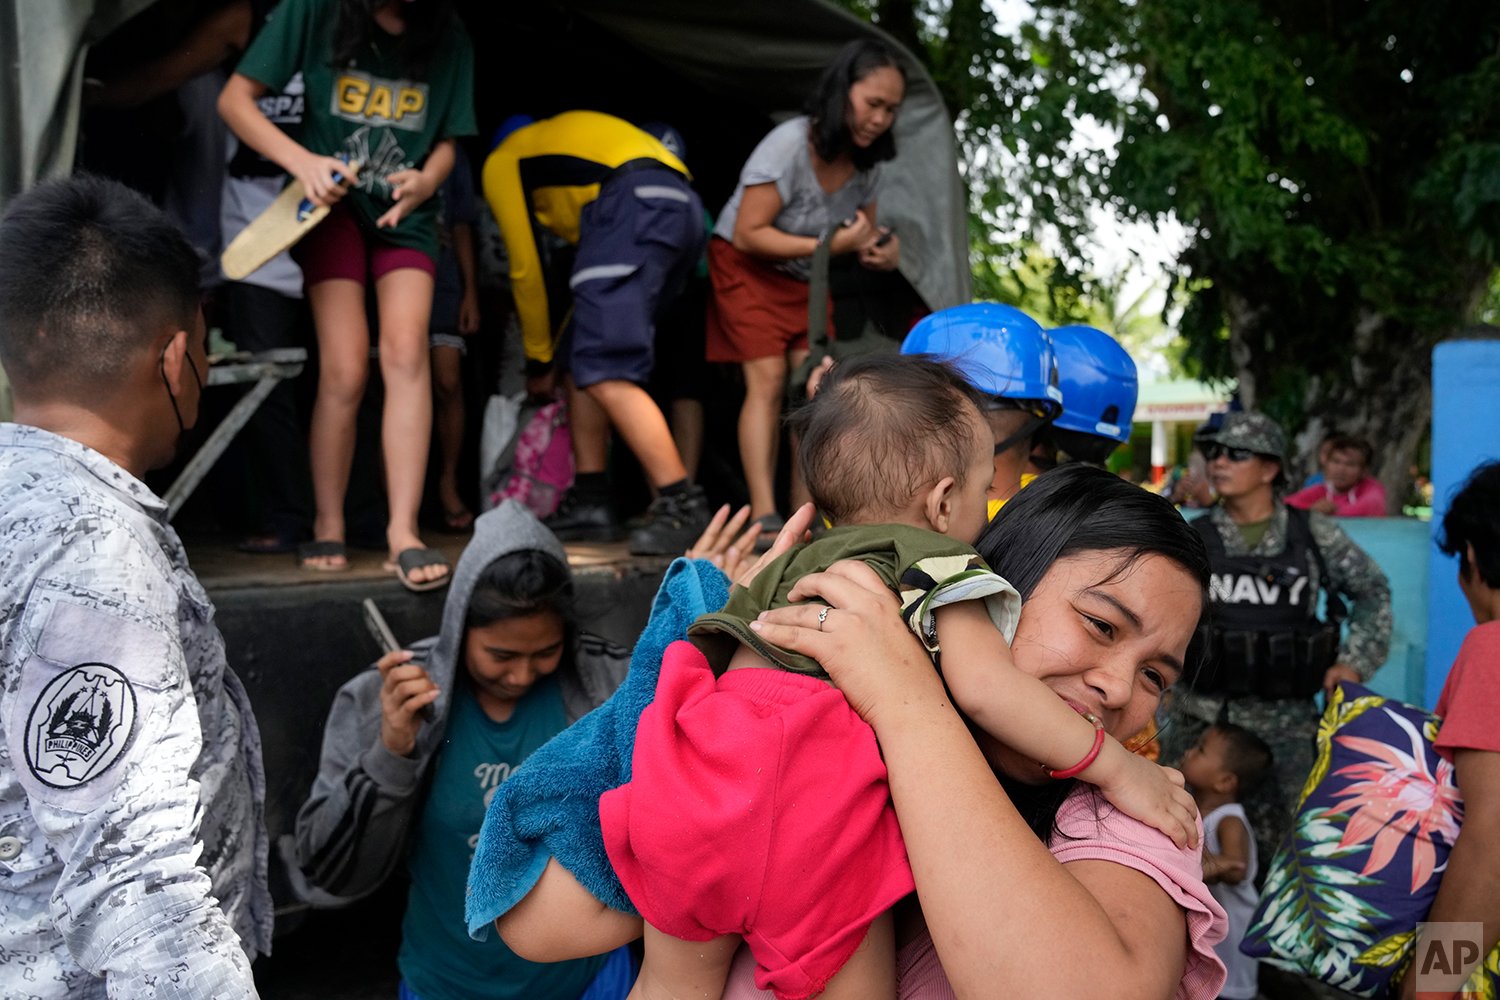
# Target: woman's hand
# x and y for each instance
(722, 542)
(878, 256)
(861, 641)
(854, 235)
(409, 188)
(325, 179)
(405, 689)
(719, 545)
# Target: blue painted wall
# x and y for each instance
(1401, 546)
(1465, 433)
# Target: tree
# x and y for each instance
(1113, 302)
(1337, 166)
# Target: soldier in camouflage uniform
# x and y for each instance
(132, 840)
(1269, 564)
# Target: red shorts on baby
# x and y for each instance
(758, 806)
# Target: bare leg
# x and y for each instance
(797, 491)
(675, 969)
(871, 970)
(760, 430)
(338, 309)
(687, 432)
(448, 416)
(404, 297)
(559, 919)
(589, 425)
(635, 417)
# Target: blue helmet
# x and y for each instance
(1099, 383)
(1001, 351)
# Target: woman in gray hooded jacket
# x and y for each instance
(415, 747)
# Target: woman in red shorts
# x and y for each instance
(812, 177)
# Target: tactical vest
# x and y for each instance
(1267, 639)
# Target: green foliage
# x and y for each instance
(1337, 167)
(1335, 164)
(1043, 288)
(1489, 309)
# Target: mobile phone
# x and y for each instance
(885, 237)
(386, 639)
(376, 623)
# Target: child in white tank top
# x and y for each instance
(1224, 765)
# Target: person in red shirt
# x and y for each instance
(1347, 489)
(1468, 707)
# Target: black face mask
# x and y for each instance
(161, 366)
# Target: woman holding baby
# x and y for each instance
(1025, 885)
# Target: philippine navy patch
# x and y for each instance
(79, 725)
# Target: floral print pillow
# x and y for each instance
(1360, 868)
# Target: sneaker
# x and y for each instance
(578, 520)
(673, 523)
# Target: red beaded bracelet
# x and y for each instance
(1088, 758)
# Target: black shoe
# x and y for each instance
(672, 524)
(583, 521)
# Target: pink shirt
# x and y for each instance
(1470, 702)
(1087, 829)
(1365, 498)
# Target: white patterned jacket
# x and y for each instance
(132, 840)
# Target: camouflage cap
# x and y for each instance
(1252, 431)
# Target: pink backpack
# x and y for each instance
(541, 466)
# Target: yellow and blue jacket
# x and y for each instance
(543, 175)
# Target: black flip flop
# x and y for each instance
(416, 558)
(325, 549)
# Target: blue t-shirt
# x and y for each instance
(438, 959)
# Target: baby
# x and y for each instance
(758, 806)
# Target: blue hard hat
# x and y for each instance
(1002, 351)
(1099, 383)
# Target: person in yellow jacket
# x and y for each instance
(621, 196)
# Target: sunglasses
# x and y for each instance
(1216, 450)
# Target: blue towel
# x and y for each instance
(550, 806)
